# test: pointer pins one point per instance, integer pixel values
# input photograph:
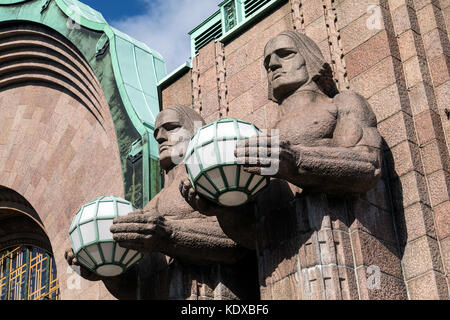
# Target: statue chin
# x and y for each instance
(282, 90)
(166, 163)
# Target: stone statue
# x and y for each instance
(168, 224)
(327, 149)
(327, 144)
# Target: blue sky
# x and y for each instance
(161, 24)
(116, 9)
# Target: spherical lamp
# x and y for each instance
(93, 243)
(212, 166)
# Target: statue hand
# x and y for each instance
(267, 156)
(194, 200)
(83, 272)
(141, 230)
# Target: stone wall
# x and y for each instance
(179, 92)
(396, 54)
(399, 71)
(58, 147)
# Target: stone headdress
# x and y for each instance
(318, 69)
(190, 120)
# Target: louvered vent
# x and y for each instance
(251, 6)
(213, 32)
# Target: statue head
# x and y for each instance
(292, 61)
(174, 127)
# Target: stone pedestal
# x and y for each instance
(317, 246)
(162, 278)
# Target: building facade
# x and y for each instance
(396, 55)
(79, 111)
(79, 100)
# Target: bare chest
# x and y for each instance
(308, 126)
(171, 202)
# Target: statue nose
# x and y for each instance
(274, 62)
(161, 136)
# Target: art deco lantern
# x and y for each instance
(92, 242)
(212, 166)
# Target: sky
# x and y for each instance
(162, 24)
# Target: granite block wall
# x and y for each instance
(395, 54)
(58, 147)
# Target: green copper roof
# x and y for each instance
(77, 8)
(128, 70)
(140, 69)
(230, 20)
(137, 68)
(11, 1)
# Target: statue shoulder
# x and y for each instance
(353, 104)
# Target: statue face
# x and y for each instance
(286, 67)
(171, 137)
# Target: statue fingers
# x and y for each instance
(69, 256)
(135, 245)
(259, 165)
(82, 271)
(255, 161)
(191, 194)
(181, 187)
(262, 140)
(242, 143)
(244, 155)
(131, 237)
(270, 133)
(139, 211)
(239, 151)
(253, 170)
(137, 241)
(185, 187)
(133, 228)
(132, 218)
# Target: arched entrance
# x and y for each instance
(27, 267)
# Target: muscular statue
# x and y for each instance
(327, 144)
(168, 224)
(327, 147)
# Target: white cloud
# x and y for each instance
(164, 26)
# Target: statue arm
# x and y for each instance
(237, 223)
(340, 170)
(191, 237)
(352, 163)
(200, 239)
(349, 162)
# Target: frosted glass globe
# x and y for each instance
(212, 166)
(92, 242)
